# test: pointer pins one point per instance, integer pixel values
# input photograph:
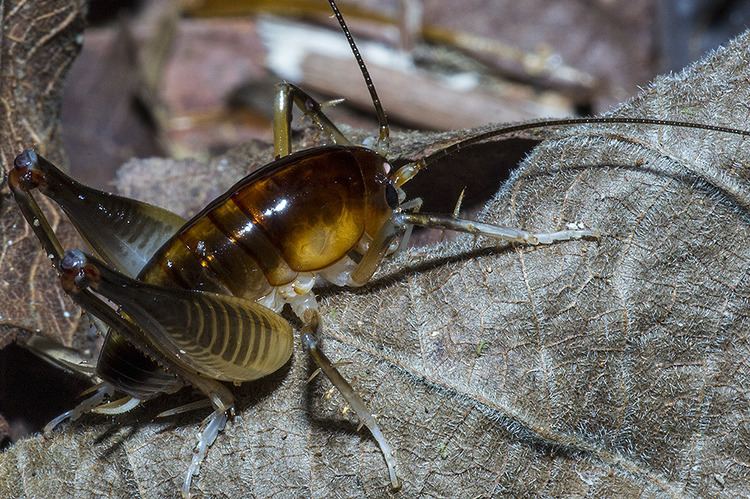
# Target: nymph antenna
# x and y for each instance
(409, 170)
(384, 131)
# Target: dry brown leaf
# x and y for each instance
(613, 42)
(104, 123)
(39, 42)
(616, 368)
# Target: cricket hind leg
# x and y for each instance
(23, 178)
(309, 341)
(221, 398)
(124, 232)
(32, 172)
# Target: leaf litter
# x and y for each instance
(615, 367)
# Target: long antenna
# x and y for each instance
(384, 132)
(408, 171)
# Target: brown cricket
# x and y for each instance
(197, 302)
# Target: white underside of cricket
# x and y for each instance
(298, 293)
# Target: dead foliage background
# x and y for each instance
(612, 368)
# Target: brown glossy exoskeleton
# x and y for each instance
(197, 302)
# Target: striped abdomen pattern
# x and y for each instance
(300, 216)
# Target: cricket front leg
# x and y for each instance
(507, 234)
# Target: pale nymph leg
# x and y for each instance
(310, 331)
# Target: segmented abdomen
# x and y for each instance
(302, 214)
